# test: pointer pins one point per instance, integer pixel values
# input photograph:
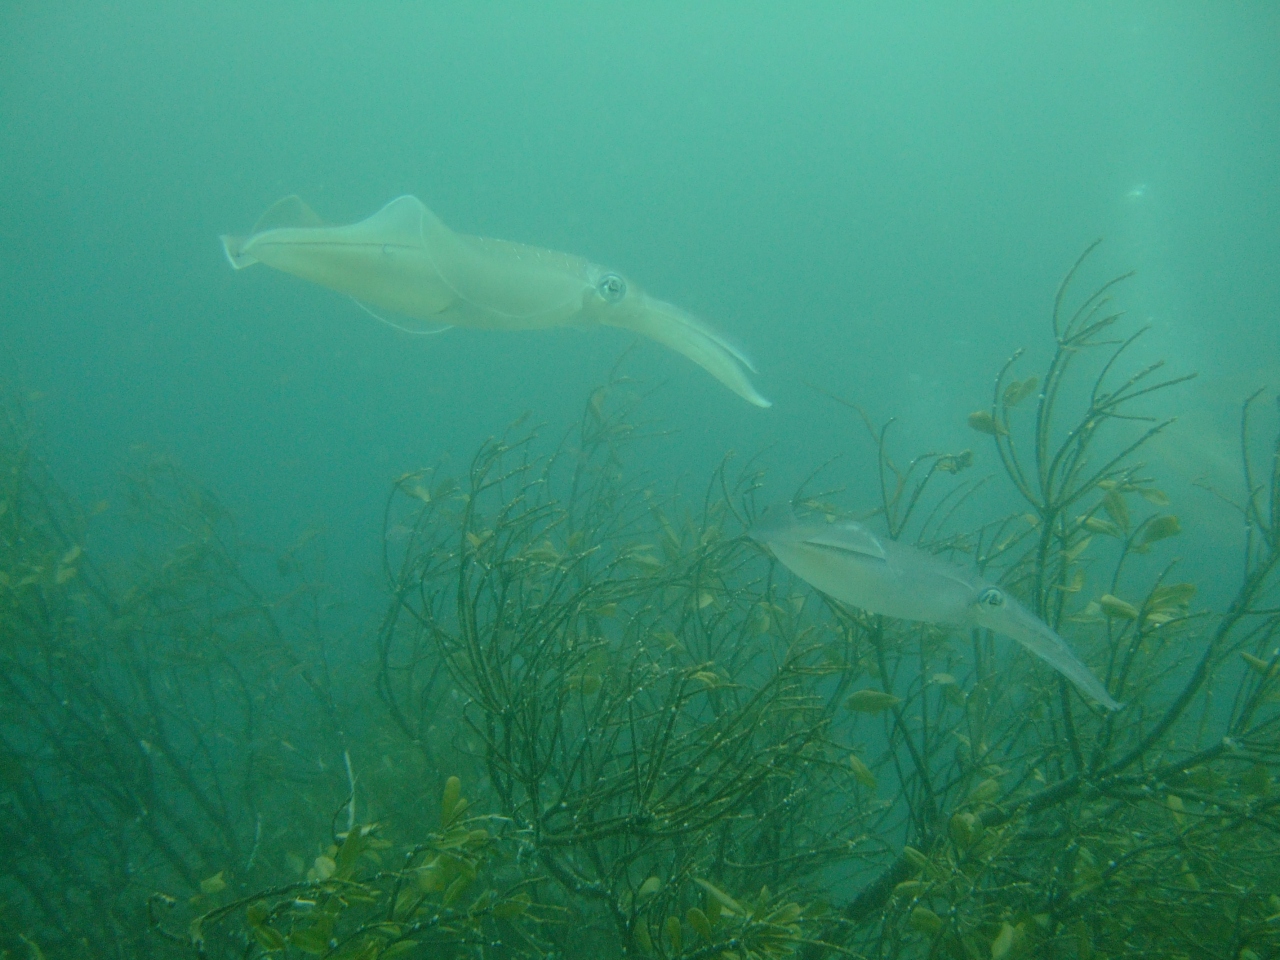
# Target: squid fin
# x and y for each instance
(398, 326)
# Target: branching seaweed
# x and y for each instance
(675, 750)
(137, 746)
(642, 717)
(1079, 814)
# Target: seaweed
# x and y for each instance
(1051, 833)
(643, 717)
(672, 748)
(145, 706)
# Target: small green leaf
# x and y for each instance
(450, 801)
(643, 938)
(1160, 528)
(701, 925)
(1003, 942)
(985, 792)
(862, 773)
(407, 902)
(1261, 666)
(431, 876)
(1171, 596)
(785, 914)
(908, 889)
(965, 829)
(670, 642)
(1105, 527)
(1117, 609)
(268, 937)
(953, 694)
(722, 898)
(324, 867)
(215, 884)
(353, 845)
(313, 940)
(983, 422)
(1074, 584)
(915, 859)
(649, 888)
(672, 929)
(1072, 553)
(1019, 390)
(512, 907)
(871, 701)
(454, 890)
(1153, 496)
(924, 921)
(1116, 508)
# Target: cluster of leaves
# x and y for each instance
(352, 905)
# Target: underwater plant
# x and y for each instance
(559, 624)
(350, 905)
(673, 748)
(1034, 829)
(644, 723)
(155, 714)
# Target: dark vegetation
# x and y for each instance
(596, 720)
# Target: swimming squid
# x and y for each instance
(847, 561)
(404, 260)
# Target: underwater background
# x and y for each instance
(878, 202)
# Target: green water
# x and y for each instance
(877, 203)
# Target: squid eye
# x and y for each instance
(611, 288)
(991, 597)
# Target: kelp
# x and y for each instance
(672, 748)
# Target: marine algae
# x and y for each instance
(597, 720)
